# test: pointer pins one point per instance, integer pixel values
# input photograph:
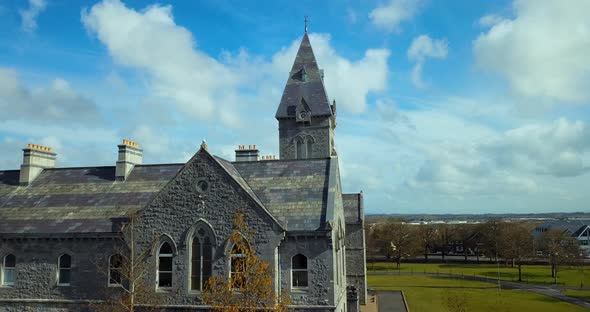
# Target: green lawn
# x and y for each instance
(568, 276)
(425, 294)
(584, 294)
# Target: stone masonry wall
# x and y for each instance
(179, 206)
(319, 261)
(355, 259)
(320, 130)
(36, 272)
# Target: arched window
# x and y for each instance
(165, 266)
(64, 265)
(202, 252)
(115, 270)
(8, 275)
(238, 266)
(309, 147)
(300, 148)
(299, 271)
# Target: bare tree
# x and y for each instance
(491, 237)
(426, 237)
(515, 244)
(443, 237)
(250, 286)
(399, 237)
(126, 269)
(560, 247)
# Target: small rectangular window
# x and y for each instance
(64, 270)
(8, 275)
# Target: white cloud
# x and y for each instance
(389, 16)
(491, 20)
(29, 16)
(150, 41)
(543, 51)
(510, 162)
(206, 88)
(57, 102)
(421, 49)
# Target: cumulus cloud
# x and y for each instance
(510, 162)
(542, 51)
(57, 102)
(204, 87)
(389, 16)
(29, 16)
(422, 48)
(152, 42)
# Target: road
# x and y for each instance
(391, 301)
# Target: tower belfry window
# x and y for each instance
(300, 148)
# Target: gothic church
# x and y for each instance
(55, 221)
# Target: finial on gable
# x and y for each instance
(204, 144)
(305, 20)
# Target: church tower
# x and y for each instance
(306, 118)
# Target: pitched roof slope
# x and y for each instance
(77, 200)
(573, 227)
(304, 82)
(294, 191)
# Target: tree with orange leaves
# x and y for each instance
(250, 284)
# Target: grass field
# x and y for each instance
(584, 294)
(425, 294)
(568, 276)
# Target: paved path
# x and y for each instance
(391, 301)
(552, 292)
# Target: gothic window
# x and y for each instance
(201, 257)
(238, 266)
(165, 266)
(300, 148)
(8, 270)
(309, 147)
(64, 264)
(299, 277)
(115, 270)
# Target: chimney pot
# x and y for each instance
(129, 155)
(247, 154)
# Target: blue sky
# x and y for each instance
(444, 107)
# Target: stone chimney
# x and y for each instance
(35, 159)
(129, 155)
(247, 153)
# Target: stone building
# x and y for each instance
(58, 225)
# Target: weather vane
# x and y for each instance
(305, 20)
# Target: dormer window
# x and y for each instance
(303, 112)
(303, 75)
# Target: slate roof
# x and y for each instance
(77, 200)
(294, 191)
(90, 200)
(574, 227)
(353, 209)
(311, 88)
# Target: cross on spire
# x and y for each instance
(305, 20)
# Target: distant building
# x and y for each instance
(55, 221)
(577, 229)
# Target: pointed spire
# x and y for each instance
(305, 81)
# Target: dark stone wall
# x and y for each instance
(355, 259)
(320, 270)
(36, 272)
(180, 206)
